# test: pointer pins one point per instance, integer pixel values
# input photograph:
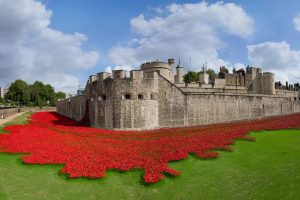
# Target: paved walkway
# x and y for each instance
(7, 119)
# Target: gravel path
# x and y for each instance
(7, 119)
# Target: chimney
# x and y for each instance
(171, 61)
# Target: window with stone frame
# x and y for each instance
(126, 96)
(154, 96)
(141, 96)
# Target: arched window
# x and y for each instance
(104, 97)
(154, 96)
(142, 96)
(126, 96)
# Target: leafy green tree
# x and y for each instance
(19, 92)
(60, 95)
(41, 94)
(191, 76)
(2, 102)
(37, 94)
(49, 95)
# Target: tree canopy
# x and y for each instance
(193, 76)
(60, 95)
(37, 94)
(19, 92)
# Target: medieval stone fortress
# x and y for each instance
(153, 97)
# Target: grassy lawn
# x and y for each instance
(268, 168)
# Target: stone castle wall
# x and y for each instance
(6, 112)
(150, 98)
(155, 102)
(172, 104)
(217, 108)
(74, 107)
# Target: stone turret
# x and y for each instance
(92, 78)
(203, 77)
(267, 83)
(179, 74)
(163, 68)
(102, 76)
(264, 83)
(119, 74)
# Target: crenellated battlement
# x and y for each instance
(253, 80)
(102, 76)
(155, 65)
(122, 74)
(155, 97)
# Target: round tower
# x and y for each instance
(163, 68)
(268, 84)
(179, 74)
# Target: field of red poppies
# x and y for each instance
(50, 138)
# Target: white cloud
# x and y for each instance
(158, 10)
(127, 69)
(108, 69)
(31, 50)
(238, 66)
(297, 22)
(278, 58)
(187, 30)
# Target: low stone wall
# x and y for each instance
(287, 93)
(6, 112)
(38, 109)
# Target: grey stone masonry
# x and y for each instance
(154, 97)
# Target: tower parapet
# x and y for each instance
(136, 75)
(203, 77)
(267, 83)
(119, 74)
(103, 75)
(92, 78)
(163, 68)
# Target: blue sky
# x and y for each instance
(122, 34)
